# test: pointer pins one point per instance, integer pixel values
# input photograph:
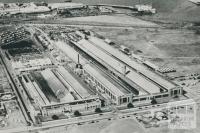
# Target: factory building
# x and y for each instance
(161, 82)
(73, 84)
(43, 105)
(145, 8)
(66, 5)
(13, 8)
(103, 85)
(146, 84)
(56, 86)
(27, 64)
(89, 104)
(33, 91)
(98, 79)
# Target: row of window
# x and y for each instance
(146, 98)
(101, 86)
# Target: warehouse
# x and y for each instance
(34, 91)
(117, 96)
(56, 86)
(89, 104)
(156, 83)
(44, 106)
(116, 66)
(133, 64)
(66, 5)
(74, 83)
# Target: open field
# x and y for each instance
(119, 20)
(174, 48)
(164, 47)
(168, 10)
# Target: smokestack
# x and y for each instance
(78, 65)
(78, 59)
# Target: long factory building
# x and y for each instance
(71, 95)
(166, 84)
(142, 80)
(110, 90)
(82, 99)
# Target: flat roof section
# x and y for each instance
(32, 92)
(135, 65)
(70, 52)
(73, 55)
(73, 82)
(114, 90)
(124, 90)
(117, 65)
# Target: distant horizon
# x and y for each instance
(115, 2)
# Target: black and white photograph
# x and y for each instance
(99, 66)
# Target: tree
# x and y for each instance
(130, 105)
(77, 113)
(176, 96)
(102, 103)
(55, 117)
(153, 101)
(183, 83)
(98, 110)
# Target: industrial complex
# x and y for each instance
(78, 72)
(92, 74)
(62, 74)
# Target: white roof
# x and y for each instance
(69, 51)
(113, 89)
(151, 65)
(133, 64)
(117, 65)
(73, 82)
(36, 92)
(73, 55)
(65, 5)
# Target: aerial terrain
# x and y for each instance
(99, 66)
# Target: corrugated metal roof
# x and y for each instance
(117, 65)
(73, 82)
(73, 55)
(139, 67)
(103, 80)
(56, 86)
